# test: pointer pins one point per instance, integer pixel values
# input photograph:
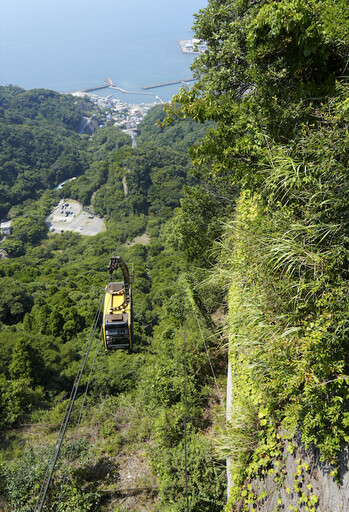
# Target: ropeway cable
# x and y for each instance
(185, 410)
(207, 354)
(60, 431)
(56, 449)
(122, 220)
(58, 438)
(78, 423)
(68, 413)
(69, 410)
(186, 393)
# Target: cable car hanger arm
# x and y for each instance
(116, 262)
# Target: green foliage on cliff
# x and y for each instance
(40, 107)
(39, 143)
(41, 146)
(179, 136)
(274, 79)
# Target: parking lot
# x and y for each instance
(70, 215)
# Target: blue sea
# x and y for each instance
(68, 45)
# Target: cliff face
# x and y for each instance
(299, 482)
(88, 125)
(297, 479)
(285, 394)
(274, 79)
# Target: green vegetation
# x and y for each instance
(51, 290)
(253, 240)
(40, 146)
(275, 81)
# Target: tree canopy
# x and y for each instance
(51, 288)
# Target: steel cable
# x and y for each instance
(71, 401)
(123, 218)
(55, 447)
(78, 423)
(207, 354)
(185, 410)
(63, 427)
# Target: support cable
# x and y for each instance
(185, 409)
(63, 427)
(79, 420)
(207, 354)
(72, 400)
(186, 393)
(123, 217)
(49, 463)
(54, 449)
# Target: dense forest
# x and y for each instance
(132, 430)
(235, 226)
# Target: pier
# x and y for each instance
(108, 82)
(95, 88)
(163, 84)
(129, 92)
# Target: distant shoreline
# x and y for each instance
(109, 84)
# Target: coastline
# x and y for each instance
(123, 115)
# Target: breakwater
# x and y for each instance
(130, 92)
(109, 84)
(163, 84)
(95, 88)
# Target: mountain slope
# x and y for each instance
(129, 452)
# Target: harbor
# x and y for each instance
(192, 46)
(124, 115)
(109, 84)
(134, 58)
(129, 92)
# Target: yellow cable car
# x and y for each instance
(117, 317)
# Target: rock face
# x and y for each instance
(88, 125)
(300, 482)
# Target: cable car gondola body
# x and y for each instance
(117, 318)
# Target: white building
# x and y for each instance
(5, 228)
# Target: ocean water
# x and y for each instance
(68, 45)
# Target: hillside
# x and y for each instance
(129, 452)
(235, 225)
